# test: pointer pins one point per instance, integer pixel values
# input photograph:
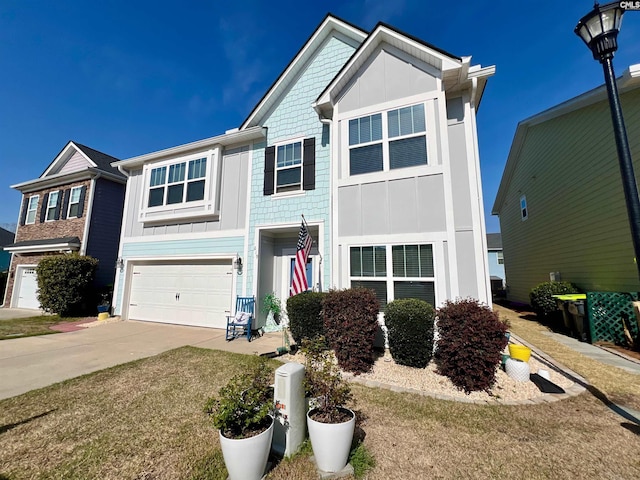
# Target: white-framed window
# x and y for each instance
(74, 202)
(32, 208)
(388, 140)
(52, 204)
(524, 213)
(500, 257)
(180, 188)
(394, 271)
(288, 170)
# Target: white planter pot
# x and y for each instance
(246, 458)
(517, 370)
(331, 442)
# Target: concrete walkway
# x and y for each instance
(36, 362)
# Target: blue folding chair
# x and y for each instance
(239, 324)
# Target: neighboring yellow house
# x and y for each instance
(560, 201)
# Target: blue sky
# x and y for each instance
(132, 77)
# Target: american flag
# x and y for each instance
(299, 281)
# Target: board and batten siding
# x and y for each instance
(232, 195)
(577, 219)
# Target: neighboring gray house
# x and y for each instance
(6, 238)
(560, 202)
(370, 135)
(74, 206)
(496, 263)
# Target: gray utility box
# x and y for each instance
(290, 427)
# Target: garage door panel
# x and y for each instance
(195, 294)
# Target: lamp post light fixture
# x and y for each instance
(599, 30)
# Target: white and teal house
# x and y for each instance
(370, 135)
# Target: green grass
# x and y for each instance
(30, 326)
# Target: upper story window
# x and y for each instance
(74, 202)
(386, 141)
(524, 213)
(290, 167)
(53, 206)
(181, 187)
(500, 257)
(32, 208)
(177, 183)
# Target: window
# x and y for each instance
(289, 167)
(411, 276)
(74, 202)
(500, 257)
(52, 206)
(177, 183)
(403, 145)
(32, 208)
(524, 214)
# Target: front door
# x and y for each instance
(292, 263)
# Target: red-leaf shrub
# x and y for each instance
(350, 324)
(470, 344)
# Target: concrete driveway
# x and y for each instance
(36, 362)
(9, 313)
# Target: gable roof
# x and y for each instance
(329, 23)
(456, 71)
(97, 164)
(629, 80)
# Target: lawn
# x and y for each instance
(30, 326)
(144, 420)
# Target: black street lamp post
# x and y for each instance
(599, 30)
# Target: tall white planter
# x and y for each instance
(331, 442)
(246, 458)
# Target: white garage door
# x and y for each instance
(188, 294)
(27, 297)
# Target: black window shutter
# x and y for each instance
(65, 204)
(81, 201)
(309, 164)
(58, 205)
(269, 169)
(25, 205)
(43, 210)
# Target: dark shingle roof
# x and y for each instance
(6, 237)
(494, 241)
(47, 241)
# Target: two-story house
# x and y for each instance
(371, 136)
(74, 206)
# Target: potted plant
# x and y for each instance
(272, 305)
(331, 425)
(243, 414)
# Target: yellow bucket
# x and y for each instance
(103, 316)
(519, 352)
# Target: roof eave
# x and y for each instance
(64, 178)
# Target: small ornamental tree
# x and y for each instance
(305, 316)
(470, 345)
(65, 284)
(410, 327)
(542, 301)
(350, 323)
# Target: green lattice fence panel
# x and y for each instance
(606, 310)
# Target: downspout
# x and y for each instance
(85, 234)
(116, 280)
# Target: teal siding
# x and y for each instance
(293, 116)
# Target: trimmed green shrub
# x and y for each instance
(65, 284)
(542, 301)
(470, 344)
(350, 324)
(305, 316)
(410, 328)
